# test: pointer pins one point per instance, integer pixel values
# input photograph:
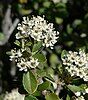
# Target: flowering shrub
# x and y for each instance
(42, 64)
(33, 37)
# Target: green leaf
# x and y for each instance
(51, 96)
(37, 46)
(50, 71)
(40, 57)
(53, 59)
(77, 22)
(59, 20)
(41, 73)
(17, 43)
(44, 86)
(63, 54)
(74, 88)
(41, 10)
(69, 29)
(68, 97)
(37, 93)
(2, 36)
(46, 4)
(30, 97)
(29, 82)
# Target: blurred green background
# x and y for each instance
(70, 18)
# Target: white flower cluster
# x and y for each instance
(39, 30)
(77, 64)
(23, 63)
(14, 95)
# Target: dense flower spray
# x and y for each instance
(39, 29)
(77, 64)
(23, 63)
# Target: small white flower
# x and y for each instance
(14, 95)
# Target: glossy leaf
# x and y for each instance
(52, 96)
(40, 57)
(36, 47)
(29, 82)
(50, 71)
(37, 93)
(75, 88)
(41, 73)
(44, 86)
